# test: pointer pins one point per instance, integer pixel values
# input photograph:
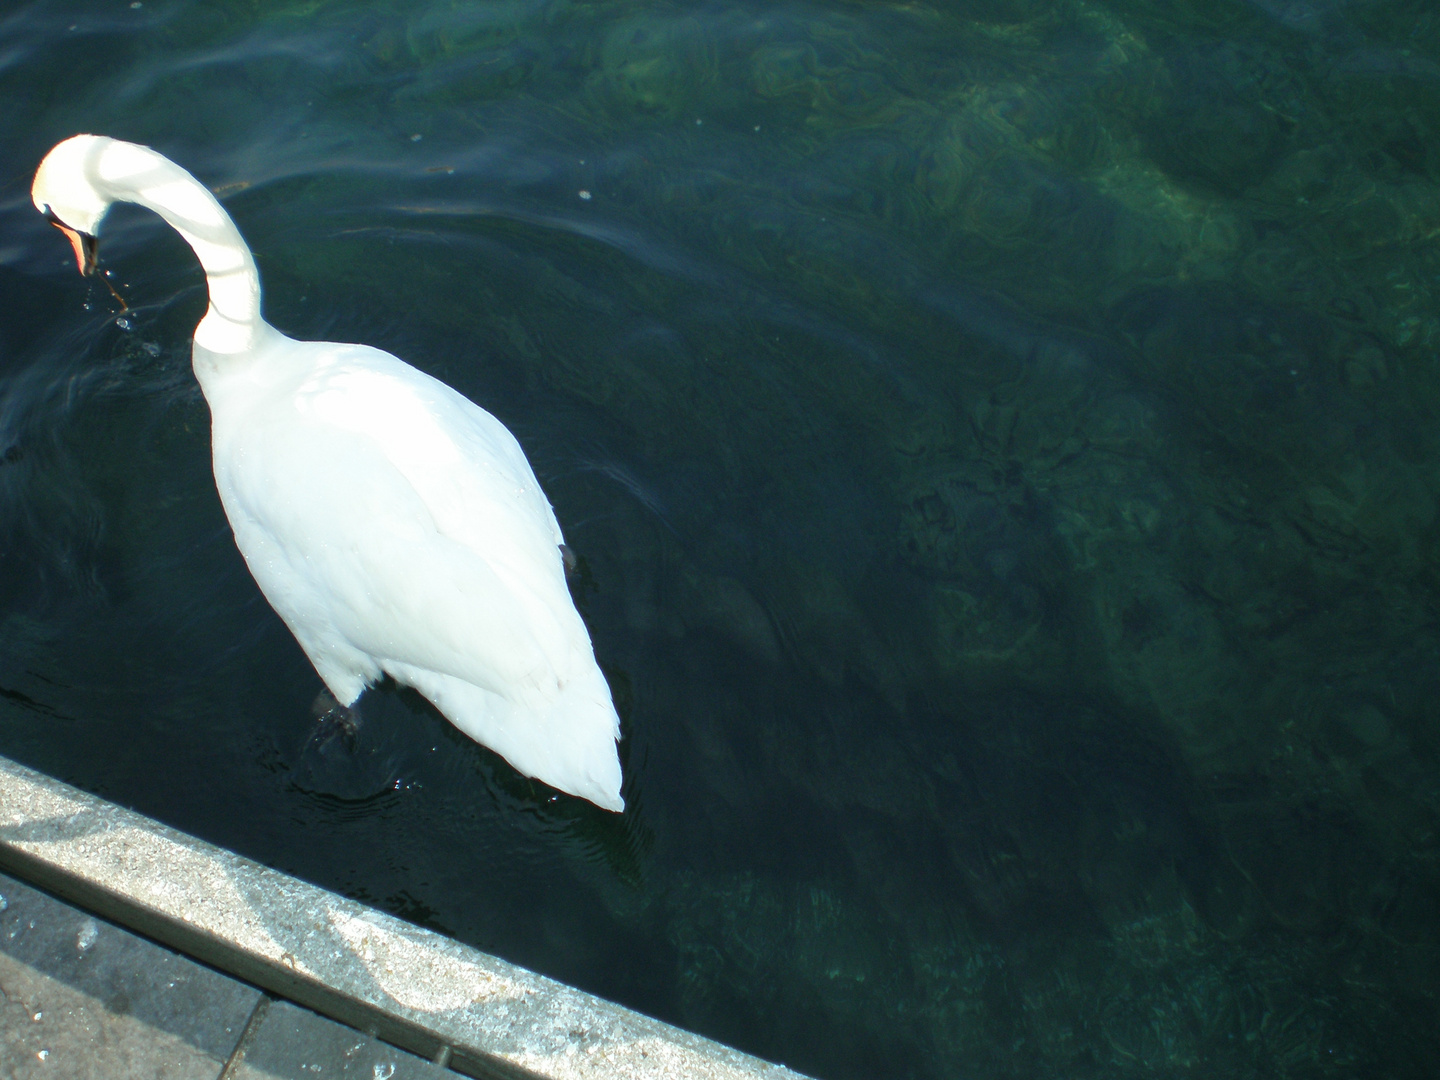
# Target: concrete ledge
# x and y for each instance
(411, 987)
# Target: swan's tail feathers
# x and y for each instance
(566, 740)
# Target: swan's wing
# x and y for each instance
(463, 463)
(381, 501)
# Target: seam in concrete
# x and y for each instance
(413, 988)
(247, 1037)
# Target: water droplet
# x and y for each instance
(3, 902)
(43, 1054)
(383, 1070)
(123, 324)
(150, 349)
(416, 138)
(585, 195)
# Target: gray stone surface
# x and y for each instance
(81, 998)
(291, 1043)
(415, 988)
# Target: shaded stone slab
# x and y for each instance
(81, 998)
(291, 1043)
(369, 970)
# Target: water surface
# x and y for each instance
(1001, 442)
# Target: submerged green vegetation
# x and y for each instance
(1002, 439)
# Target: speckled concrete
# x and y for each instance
(291, 1043)
(82, 999)
(414, 988)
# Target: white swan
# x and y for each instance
(394, 525)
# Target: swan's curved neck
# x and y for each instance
(129, 173)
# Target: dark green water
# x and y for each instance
(1002, 439)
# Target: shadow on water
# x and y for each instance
(999, 443)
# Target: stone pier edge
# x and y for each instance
(412, 987)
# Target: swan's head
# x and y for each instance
(66, 191)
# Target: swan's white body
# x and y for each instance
(395, 526)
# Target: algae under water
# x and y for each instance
(1002, 442)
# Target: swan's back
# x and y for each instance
(397, 527)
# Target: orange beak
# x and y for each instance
(87, 248)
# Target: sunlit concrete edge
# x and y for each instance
(414, 988)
